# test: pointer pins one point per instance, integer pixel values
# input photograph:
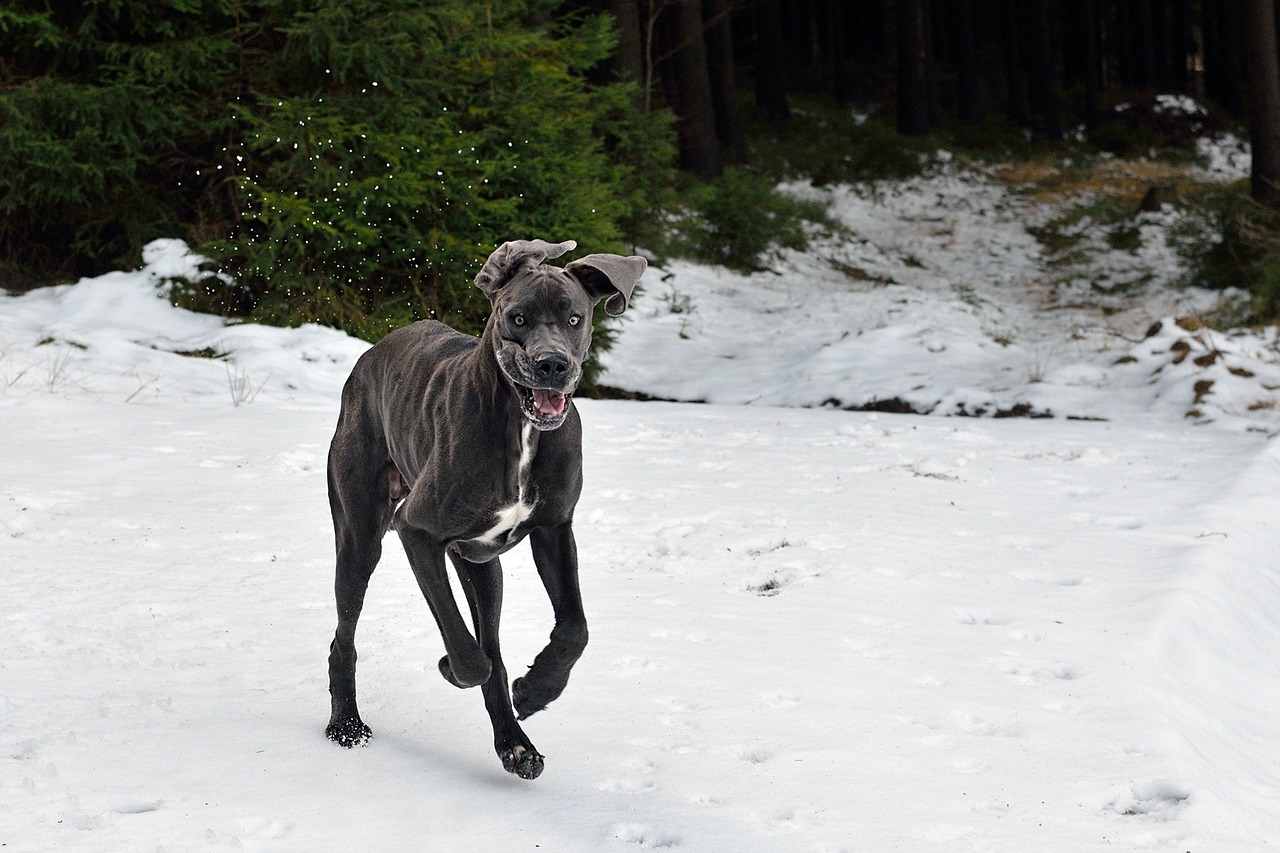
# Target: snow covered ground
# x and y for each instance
(941, 299)
(812, 629)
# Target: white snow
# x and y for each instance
(812, 629)
(940, 297)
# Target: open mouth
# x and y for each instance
(545, 408)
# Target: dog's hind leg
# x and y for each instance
(362, 498)
(556, 556)
(482, 583)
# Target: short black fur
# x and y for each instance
(466, 446)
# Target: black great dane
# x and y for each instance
(466, 447)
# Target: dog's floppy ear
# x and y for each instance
(609, 277)
(513, 256)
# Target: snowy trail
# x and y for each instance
(811, 630)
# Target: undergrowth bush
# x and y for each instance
(1234, 242)
(828, 145)
(739, 221)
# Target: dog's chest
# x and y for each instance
(507, 519)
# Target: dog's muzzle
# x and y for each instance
(545, 408)
(545, 385)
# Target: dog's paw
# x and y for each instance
(479, 674)
(525, 763)
(527, 698)
(348, 732)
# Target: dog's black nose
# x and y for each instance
(551, 367)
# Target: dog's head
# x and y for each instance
(540, 327)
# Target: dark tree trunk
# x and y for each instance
(720, 69)
(1180, 45)
(1224, 65)
(1262, 69)
(695, 112)
(1013, 75)
(932, 97)
(1144, 44)
(1092, 71)
(798, 29)
(913, 88)
(1214, 64)
(628, 58)
(841, 85)
(966, 54)
(1045, 97)
(771, 61)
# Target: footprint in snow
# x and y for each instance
(1156, 798)
(971, 765)
(973, 723)
(1033, 671)
(1024, 543)
(871, 649)
(678, 723)
(772, 583)
(630, 666)
(1082, 492)
(299, 462)
(671, 703)
(644, 836)
(753, 755)
(1121, 522)
(134, 807)
(628, 785)
(268, 827)
(1115, 522)
(969, 616)
(1070, 707)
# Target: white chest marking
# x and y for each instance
(509, 518)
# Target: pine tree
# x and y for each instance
(349, 162)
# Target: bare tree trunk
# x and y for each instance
(1224, 68)
(1013, 62)
(696, 123)
(720, 68)
(628, 58)
(932, 98)
(1046, 101)
(841, 87)
(1092, 62)
(913, 89)
(1263, 75)
(771, 61)
(1180, 46)
(966, 51)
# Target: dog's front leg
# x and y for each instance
(482, 583)
(464, 663)
(556, 555)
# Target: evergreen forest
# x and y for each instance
(352, 162)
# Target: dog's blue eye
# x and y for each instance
(518, 319)
(574, 320)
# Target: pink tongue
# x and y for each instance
(547, 402)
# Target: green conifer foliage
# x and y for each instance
(345, 162)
